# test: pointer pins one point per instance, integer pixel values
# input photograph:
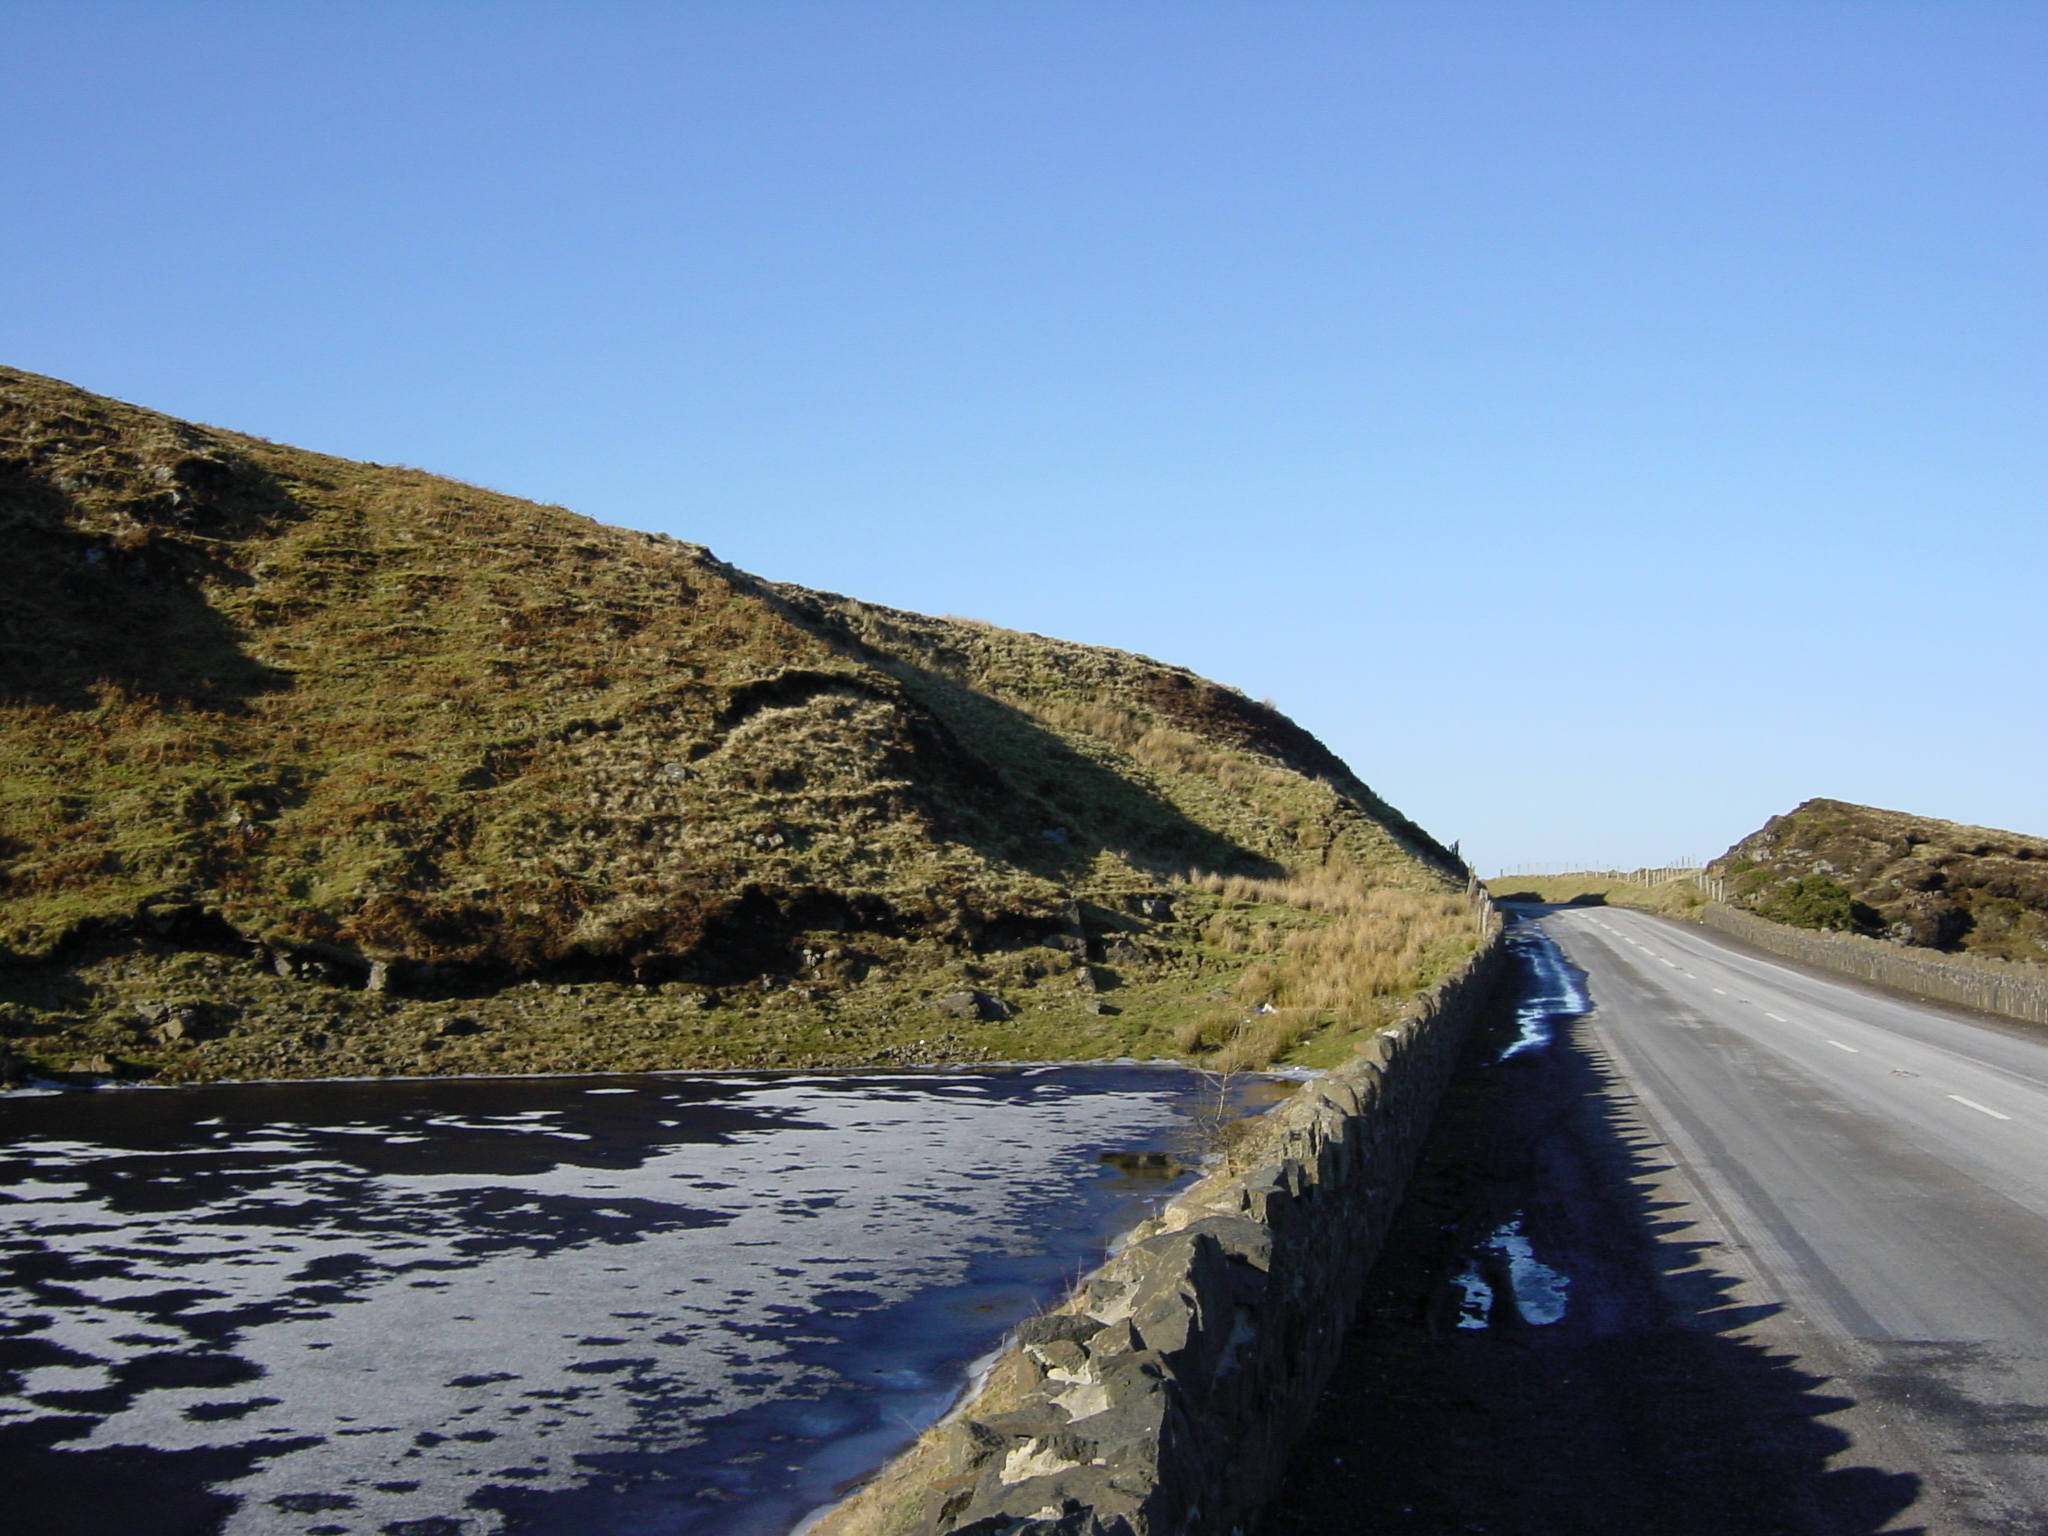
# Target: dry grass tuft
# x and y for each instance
(1330, 950)
(1163, 748)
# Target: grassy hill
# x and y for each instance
(1912, 879)
(312, 767)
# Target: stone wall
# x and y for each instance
(2018, 991)
(1163, 1396)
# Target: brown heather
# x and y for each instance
(318, 767)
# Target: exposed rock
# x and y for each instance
(171, 1022)
(1144, 1165)
(1123, 950)
(971, 1005)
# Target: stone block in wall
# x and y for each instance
(1235, 1237)
(1108, 1462)
(1268, 1190)
(1050, 1327)
(1074, 1519)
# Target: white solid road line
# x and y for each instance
(1982, 1109)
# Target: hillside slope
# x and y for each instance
(297, 753)
(1912, 879)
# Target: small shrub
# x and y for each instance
(1811, 901)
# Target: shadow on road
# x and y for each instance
(1546, 1347)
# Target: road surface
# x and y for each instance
(1744, 1248)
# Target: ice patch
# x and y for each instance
(1556, 991)
(1538, 1291)
(1476, 1305)
(455, 1302)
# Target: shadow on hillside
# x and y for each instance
(1053, 810)
(1642, 1408)
(78, 612)
(1020, 794)
(997, 779)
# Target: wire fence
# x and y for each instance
(1996, 986)
(1676, 869)
(1662, 874)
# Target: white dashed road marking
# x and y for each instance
(1982, 1109)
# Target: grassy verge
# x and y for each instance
(1670, 898)
(1230, 973)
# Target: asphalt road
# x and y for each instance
(1744, 1248)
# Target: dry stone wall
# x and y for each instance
(2018, 991)
(1165, 1394)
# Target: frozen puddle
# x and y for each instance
(1554, 991)
(1537, 1290)
(593, 1305)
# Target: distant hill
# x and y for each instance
(1912, 879)
(282, 734)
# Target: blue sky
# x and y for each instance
(1605, 424)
